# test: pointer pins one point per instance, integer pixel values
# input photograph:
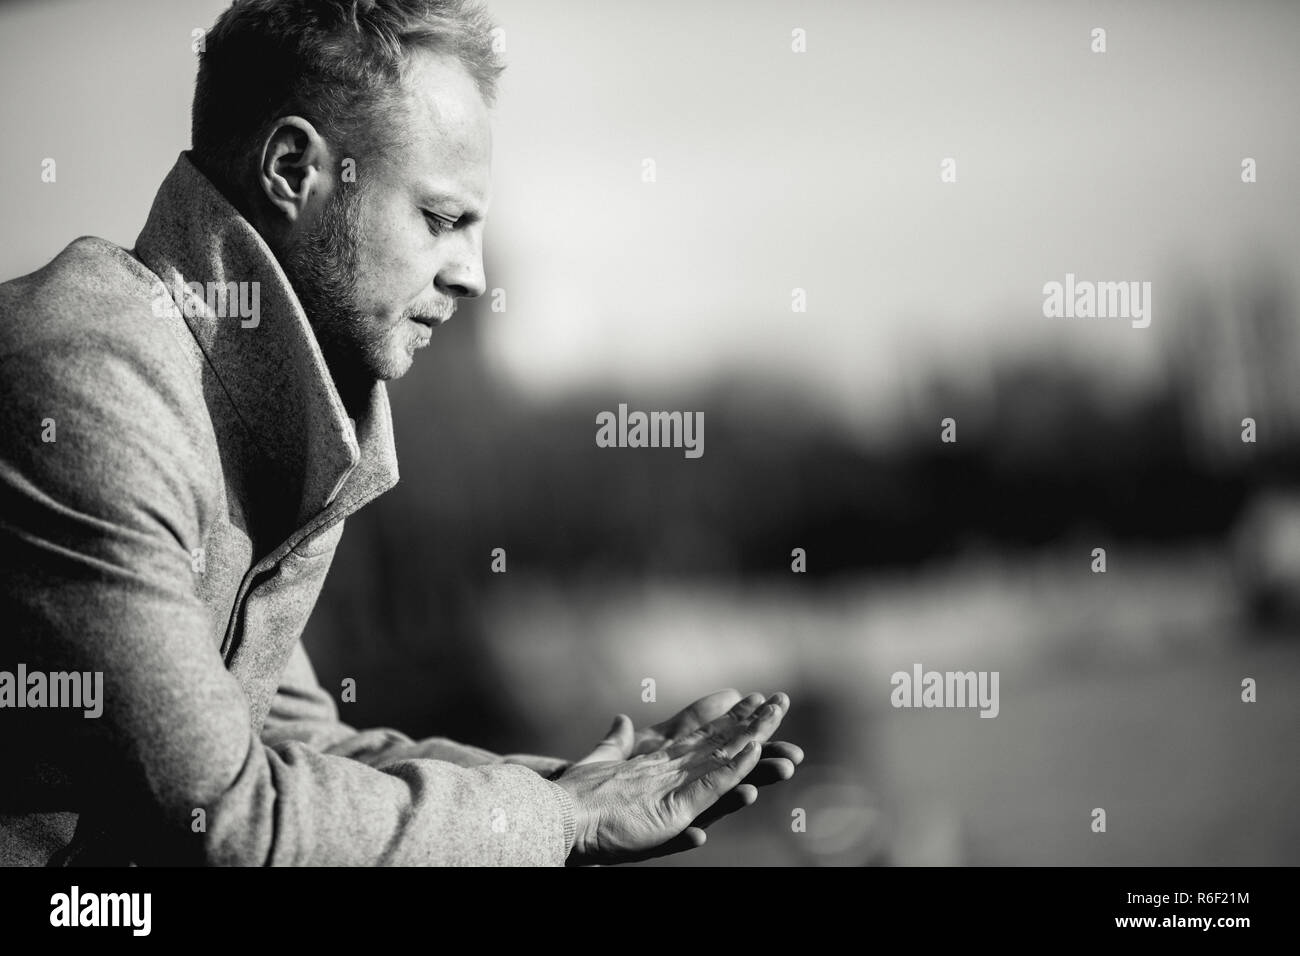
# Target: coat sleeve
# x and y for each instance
(302, 710)
(96, 531)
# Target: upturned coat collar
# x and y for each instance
(272, 369)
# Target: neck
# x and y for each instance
(354, 388)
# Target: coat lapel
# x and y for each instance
(269, 365)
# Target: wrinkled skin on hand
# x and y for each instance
(650, 792)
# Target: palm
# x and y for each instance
(715, 719)
(715, 727)
(684, 726)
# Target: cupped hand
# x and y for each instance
(704, 727)
(644, 806)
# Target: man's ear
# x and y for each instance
(295, 172)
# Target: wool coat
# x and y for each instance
(175, 472)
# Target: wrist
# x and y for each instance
(568, 819)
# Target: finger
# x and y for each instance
(719, 775)
(698, 756)
(737, 799)
(617, 744)
(724, 725)
(740, 713)
(691, 838)
(703, 711)
(780, 748)
(770, 771)
(721, 729)
(764, 722)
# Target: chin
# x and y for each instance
(398, 364)
(387, 359)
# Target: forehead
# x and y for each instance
(446, 143)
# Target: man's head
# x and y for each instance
(354, 135)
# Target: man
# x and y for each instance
(188, 424)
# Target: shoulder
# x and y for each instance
(103, 407)
(92, 295)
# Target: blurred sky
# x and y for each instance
(774, 170)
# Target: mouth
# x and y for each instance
(430, 321)
(421, 331)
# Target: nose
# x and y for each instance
(462, 273)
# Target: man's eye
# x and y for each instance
(438, 224)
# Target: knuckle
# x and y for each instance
(666, 811)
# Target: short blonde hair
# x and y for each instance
(337, 63)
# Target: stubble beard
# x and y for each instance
(322, 268)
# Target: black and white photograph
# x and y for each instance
(732, 434)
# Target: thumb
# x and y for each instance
(617, 744)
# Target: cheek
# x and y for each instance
(389, 269)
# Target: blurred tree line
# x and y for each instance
(1045, 453)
